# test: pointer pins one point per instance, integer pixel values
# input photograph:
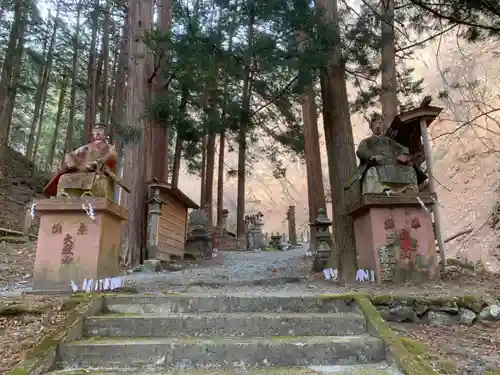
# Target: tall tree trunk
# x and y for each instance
(340, 149)
(178, 141)
(203, 174)
(105, 69)
(60, 109)
(177, 161)
(315, 187)
(220, 181)
(242, 136)
(16, 76)
(120, 86)
(91, 102)
(45, 82)
(6, 79)
(140, 13)
(389, 95)
(68, 144)
(117, 114)
(209, 178)
(159, 136)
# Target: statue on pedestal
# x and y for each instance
(87, 171)
(385, 165)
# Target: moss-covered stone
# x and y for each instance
(473, 303)
(410, 363)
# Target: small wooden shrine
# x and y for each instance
(396, 233)
(167, 221)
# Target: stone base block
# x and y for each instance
(72, 246)
(395, 238)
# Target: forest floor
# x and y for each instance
(24, 321)
(23, 183)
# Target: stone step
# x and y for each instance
(151, 304)
(226, 324)
(183, 353)
(368, 369)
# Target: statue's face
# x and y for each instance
(377, 126)
(98, 135)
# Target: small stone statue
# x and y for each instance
(87, 171)
(385, 164)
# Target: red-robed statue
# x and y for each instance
(87, 171)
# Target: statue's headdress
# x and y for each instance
(100, 127)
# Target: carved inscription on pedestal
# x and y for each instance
(82, 229)
(67, 250)
(56, 228)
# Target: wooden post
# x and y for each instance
(432, 189)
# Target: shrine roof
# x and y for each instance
(175, 193)
(412, 118)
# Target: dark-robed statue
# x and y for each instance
(385, 165)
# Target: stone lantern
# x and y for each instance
(323, 240)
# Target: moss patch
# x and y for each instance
(414, 346)
(76, 305)
(447, 366)
(409, 362)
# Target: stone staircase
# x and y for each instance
(221, 335)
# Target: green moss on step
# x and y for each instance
(18, 371)
(414, 346)
(410, 363)
(77, 303)
(447, 366)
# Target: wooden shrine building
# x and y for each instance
(167, 221)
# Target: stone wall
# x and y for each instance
(465, 310)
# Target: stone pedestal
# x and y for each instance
(394, 237)
(71, 246)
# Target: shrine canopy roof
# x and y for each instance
(405, 128)
(175, 193)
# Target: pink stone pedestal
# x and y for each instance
(395, 238)
(73, 247)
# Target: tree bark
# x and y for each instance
(14, 81)
(389, 95)
(91, 101)
(12, 57)
(177, 161)
(120, 79)
(105, 68)
(315, 186)
(178, 141)
(209, 178)
(140, 13)
(45, 83)
(220, 181)
(68, 144)
(242, 136)
(340, 150)
(160, 132)
(203, 173)
(60, 109)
